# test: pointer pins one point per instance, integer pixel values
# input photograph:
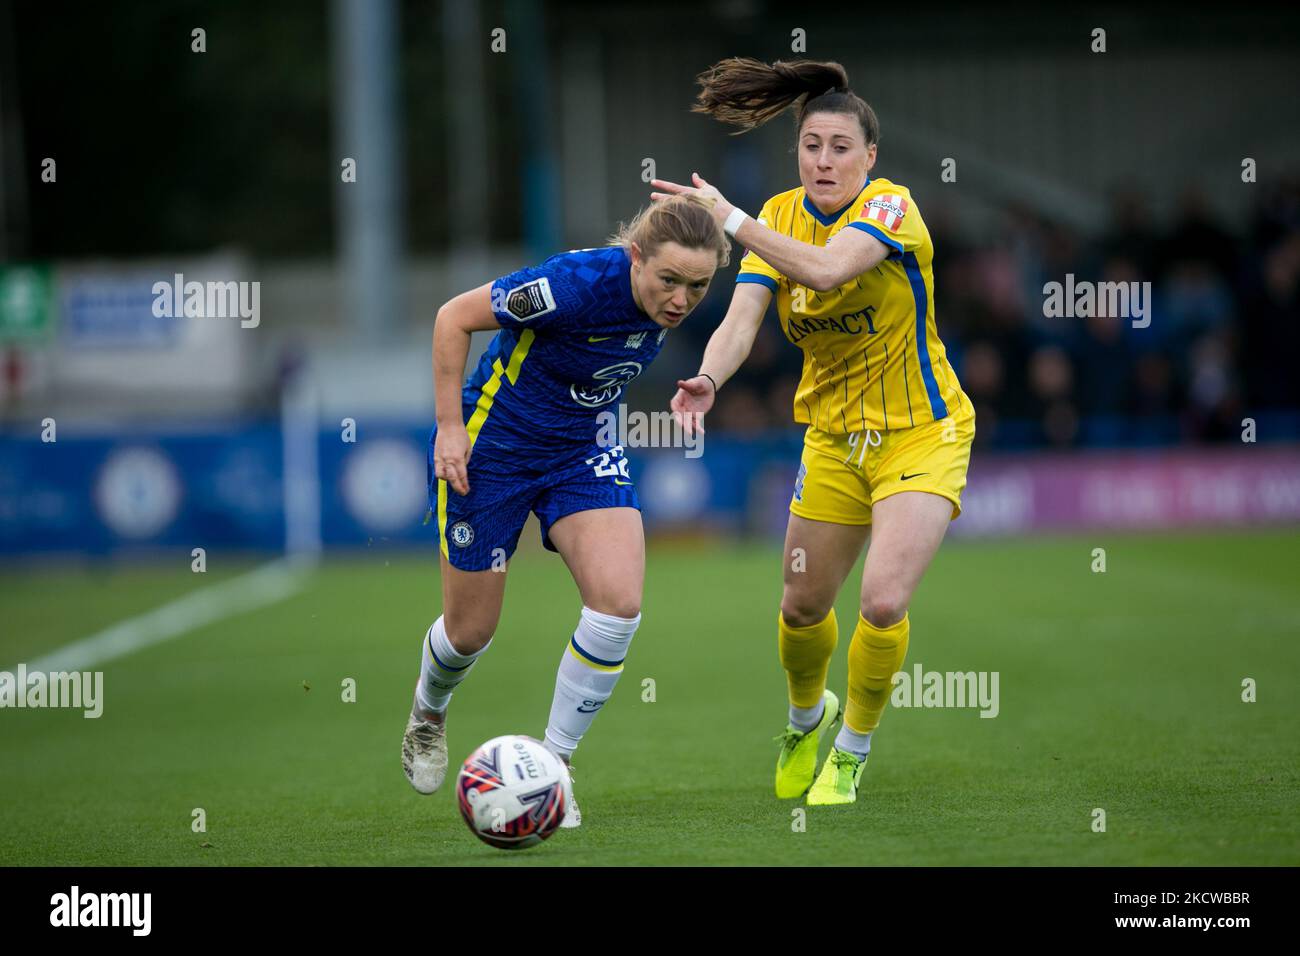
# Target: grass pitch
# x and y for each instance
(1119, 690)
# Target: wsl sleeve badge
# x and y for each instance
(530, 300)
(513, 792)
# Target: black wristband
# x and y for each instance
(710, 378)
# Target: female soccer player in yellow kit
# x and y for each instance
(889, 433)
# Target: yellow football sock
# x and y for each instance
(875, 655)
(806, 656)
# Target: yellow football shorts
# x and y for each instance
(842, 476)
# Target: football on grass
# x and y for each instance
(513, 792)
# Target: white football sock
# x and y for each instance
(855, 743)
(591, 666)
(804, 719)
(442, 667)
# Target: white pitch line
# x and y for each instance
(265, 585)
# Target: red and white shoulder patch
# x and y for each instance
(888, 209)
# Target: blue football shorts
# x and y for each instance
(481, 529)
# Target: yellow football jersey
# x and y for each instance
(871, 351)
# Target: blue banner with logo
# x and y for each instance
(222, 486)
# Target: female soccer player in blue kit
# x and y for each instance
(521, 436)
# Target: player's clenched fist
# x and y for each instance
(451, 457)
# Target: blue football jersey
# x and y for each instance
(571, 339)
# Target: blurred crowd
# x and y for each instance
(1224, 329)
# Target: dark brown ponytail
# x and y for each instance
(747, 93)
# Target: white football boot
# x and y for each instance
(424, 753)
(572, 815)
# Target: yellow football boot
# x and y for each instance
(797, 762)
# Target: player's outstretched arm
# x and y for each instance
(457, 320)
(727, 350)
(820, 268)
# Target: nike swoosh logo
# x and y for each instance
(905, 477)
(617, 482)
(603, 338)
